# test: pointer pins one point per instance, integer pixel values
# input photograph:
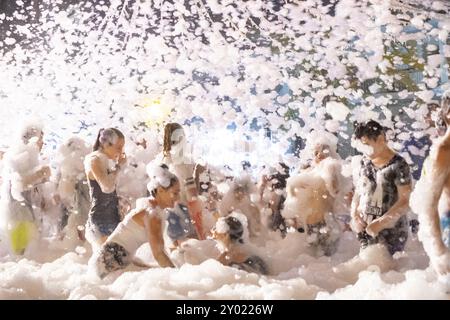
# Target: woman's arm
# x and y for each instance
(40, 176)
(156, 241)
(232, 256)
(106, 181)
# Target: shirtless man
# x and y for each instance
(382, 191)
(310, 199)
(433, 186)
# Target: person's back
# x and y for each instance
(129, 234)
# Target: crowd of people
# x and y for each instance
(184, 212)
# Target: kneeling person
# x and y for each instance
(140, 226)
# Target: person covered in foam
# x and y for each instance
(207, 179)
(228, 245)
(272, 192)
(311, 194)
(102, 167)
(239, 198)
(380, 203)
(143, 224)
(176, 155)
(432, 192)
(132, 180)
(22, 200)
(72, 191)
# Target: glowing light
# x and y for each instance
(154, 111)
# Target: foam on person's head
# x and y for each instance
(33, 128)
(74, 146)
(160, 176)
(320, 138)
(234, 225)
(108, 136)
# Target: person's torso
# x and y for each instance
(129, 234)
(379, 188)
(101, 201)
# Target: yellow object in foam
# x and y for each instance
(21, 236)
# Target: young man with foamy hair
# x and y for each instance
(433, 187)
(382, 191)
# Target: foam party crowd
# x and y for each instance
(190, 193)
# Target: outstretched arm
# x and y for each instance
(35, 178)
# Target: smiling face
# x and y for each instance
(167, 198)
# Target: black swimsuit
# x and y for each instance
(104, 213)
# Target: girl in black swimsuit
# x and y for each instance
(104, 213)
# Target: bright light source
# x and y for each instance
(154, 113)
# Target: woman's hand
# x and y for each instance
(122, 159)
(164, 261)
(441, 264)
(357, 223)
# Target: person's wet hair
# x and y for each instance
(370, 129)
(236, 229)
(107, 136)
(168, 130)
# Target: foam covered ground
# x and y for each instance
(298, 276)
